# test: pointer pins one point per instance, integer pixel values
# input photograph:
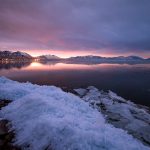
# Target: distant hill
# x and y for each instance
(148, 59)
(48, 57)
(14, 56)
(91, 58)
(8, 56)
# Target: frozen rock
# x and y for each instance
(120, 112)
(45, 117)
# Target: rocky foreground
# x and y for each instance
(45, 118)
(120, 112)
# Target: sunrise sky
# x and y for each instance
(76, 27)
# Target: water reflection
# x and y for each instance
(11, 65)
(129, 81)
(64, 66)
(57, 65)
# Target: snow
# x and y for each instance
(120, 112)
(45, 117)
(92, 58)
(51, 57)
(25, 54)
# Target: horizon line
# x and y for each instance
(77, 55)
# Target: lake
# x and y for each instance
(131, 81)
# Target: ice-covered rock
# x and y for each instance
(120, 112)
(45, 117)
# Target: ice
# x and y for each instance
(120, 112)
(45, 117)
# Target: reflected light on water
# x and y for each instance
(63, 66)
(35, 64)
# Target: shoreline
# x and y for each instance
(117, 112)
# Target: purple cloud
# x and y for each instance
(117, 26)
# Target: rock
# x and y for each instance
(6, 137)
(9, 147)
(3, 127)
(1, 143)
(9, 137)
(4, 103)
(121, 113)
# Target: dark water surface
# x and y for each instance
(129, 81)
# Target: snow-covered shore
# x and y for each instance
(119, 112)
(45, 117)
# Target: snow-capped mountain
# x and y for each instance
(131, 58)
(148, 59)
(92, 58)
(7, 55)
(88, 57)
(21, 54)
(49, 57)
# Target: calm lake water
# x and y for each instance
(129, 81)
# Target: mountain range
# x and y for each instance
(99, 58)
(48, 57)
(22, 56)
(17, 56)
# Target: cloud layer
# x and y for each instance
(117, 26)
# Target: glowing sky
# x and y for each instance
(76, 27)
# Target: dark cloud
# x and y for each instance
(117, 26)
